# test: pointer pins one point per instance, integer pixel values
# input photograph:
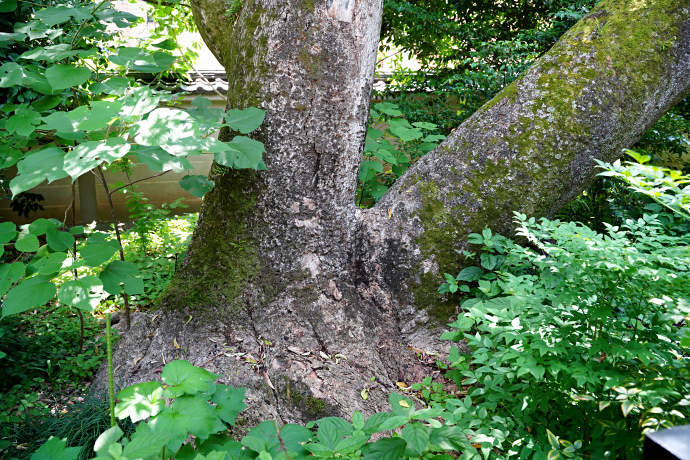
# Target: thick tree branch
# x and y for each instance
(532, 148)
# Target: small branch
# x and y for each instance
(125, 296)
(138, 180)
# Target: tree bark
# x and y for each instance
(313, 304)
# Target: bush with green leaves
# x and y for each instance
(392, 145)
(577, 348)
(191, 405)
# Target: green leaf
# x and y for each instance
(8, 231)
(27, 243)
(7, 6)
(51, 264)
(145, 442)
(11, 74)
(244, 153)
(469, 274)
(190, 414)
(384, 449)
(59, 241)
(368, 169)
(84, 293)
(357, 420)
(10, 274)
(99, 115)
(29, 294)
(417, 436)
(106, 439)
(229, 402)
(98, 250)
(37, 167)
(553, 440)
(87, 155)
(245, 121)
(118, 272)
(55, 15)
(401, 405)
(197, 185)
(23, 123)
(40, 226)
(56, 449)
(385, 155)
(61, 76)
(185, 378)
(158, 160)
(142, 60)
(373, 423)
(166, 126)
(140, 401)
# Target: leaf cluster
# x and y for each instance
(575, 335)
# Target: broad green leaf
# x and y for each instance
(145, 443)
(140, 401)
(385, 155)
(60, 122)
(245, 121)
(59, 241)
(470, 274)
(54, 53)
(29, 294)
(46, 103)
(142, 60)
(27, 243)
(406, 134)
(7, 6)
(140, 102)
(417, 436)
(114, 85)
(10, 75)
(357, 420)
(229, 402)
(400, 405)
(166, 126)
(23, 123)
(9, 157)
(8, 231)
(10, 274)
(37, 167)
(159, 160)
(373, 423)
(185, 378)
(368, 169)
(55, 15)
(61, 76)
(84, 293)
(196, 185)
(87, 155)
(56, 449)
(100, 115)
(332, 430)
(96, 252)
(106, 439)
(126, 273)
(245, 153)
(187, 414)
(424, 125)
(449, 438)
(351, 444)
(384, 449)
(51, 264)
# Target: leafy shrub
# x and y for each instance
(392, 145)
(574, 333)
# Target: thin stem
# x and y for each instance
(111, 379)
(138, 180)
(116, 223)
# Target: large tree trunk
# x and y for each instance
(324, 298)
